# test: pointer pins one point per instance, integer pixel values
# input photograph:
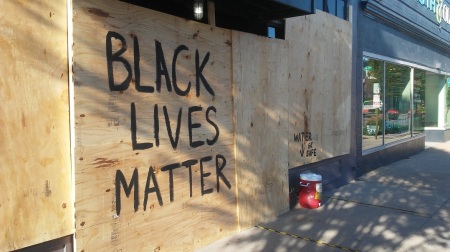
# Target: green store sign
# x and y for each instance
(438, 7)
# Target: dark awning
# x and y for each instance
(251, 10)
(251, 16)
(265, 9)
(298, 7)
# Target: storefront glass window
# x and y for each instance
(447, 110)
(397, 102)
(400, 101)
(372, 110)
(419, 101)
(435, 100)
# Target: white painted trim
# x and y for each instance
(405, 63)
(435, 128)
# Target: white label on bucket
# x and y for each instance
(318, 194)
(319, 187)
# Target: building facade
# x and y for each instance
(400, 86)
(402, 78)
(180, 115)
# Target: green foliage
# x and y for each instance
(373, 120)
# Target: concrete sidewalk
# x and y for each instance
(404, 206)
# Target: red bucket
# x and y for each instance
(310, 190)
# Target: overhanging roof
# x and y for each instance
(265, 9)
(251, 10)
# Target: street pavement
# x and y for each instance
(403, 206)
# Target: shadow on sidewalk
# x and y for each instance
(403, 206)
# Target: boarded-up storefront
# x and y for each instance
(292, 108)
(36, 203)
(183, 133)
(319, 88)
(154, 130)
(161, 103)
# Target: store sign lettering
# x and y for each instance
(438, 7)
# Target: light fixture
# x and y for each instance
(198, 9)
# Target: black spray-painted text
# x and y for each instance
(185, 115)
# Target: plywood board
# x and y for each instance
(261, 87)
(154, 135)
(319, 87)
(36, 202)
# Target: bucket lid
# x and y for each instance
(310, 177)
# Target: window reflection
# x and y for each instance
(400, 101)
(372, 103)
(447, 104)
(419, 101)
